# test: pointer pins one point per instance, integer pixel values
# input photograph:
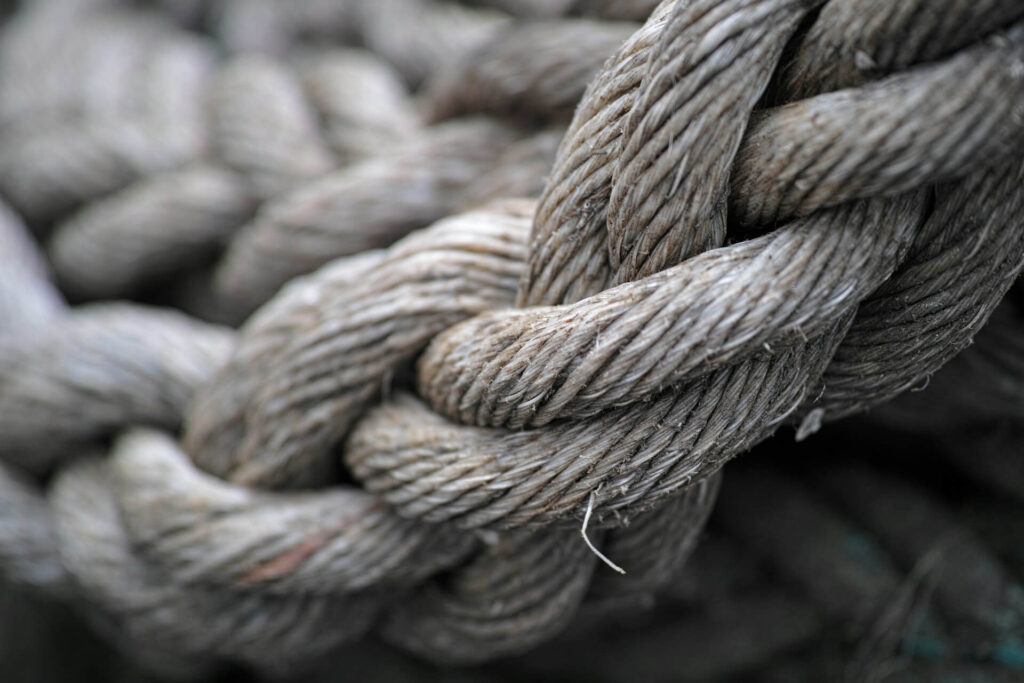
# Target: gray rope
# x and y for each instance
(357, 209)
(156, 226)
(202, 530)
(27, 298)
(971, 236)
(381, 310)
(853, 42)
(984, 383)
(532, 69)
(28, 549)
(192, 621)
(638, 316)
(96, 370)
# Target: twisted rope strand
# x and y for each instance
(328, 344)
(194, 621)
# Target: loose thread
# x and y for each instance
(586, 539)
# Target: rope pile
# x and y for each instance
(506, 276)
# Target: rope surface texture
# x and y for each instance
(590, 262)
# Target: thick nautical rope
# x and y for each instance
(646, 350)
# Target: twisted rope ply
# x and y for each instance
(578, 365)
(991, 368)
(991, 373)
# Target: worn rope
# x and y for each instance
(881, 226)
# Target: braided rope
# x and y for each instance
(894, 207)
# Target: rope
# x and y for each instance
(762, 212)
